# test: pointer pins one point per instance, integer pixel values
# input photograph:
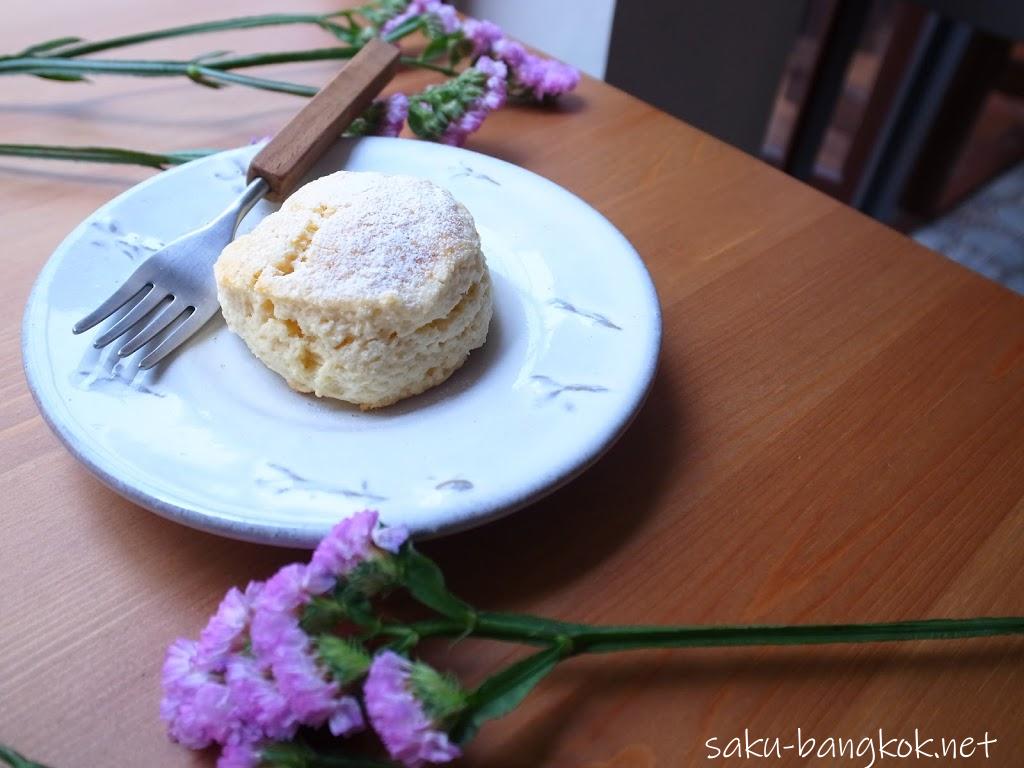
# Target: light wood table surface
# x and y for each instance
(836, 433)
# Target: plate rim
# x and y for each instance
(295, 534)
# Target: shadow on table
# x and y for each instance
(569, 534)
(567, 104)
(131, 531)
(551, 544)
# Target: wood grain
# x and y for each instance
(835, 434)
(304, 138)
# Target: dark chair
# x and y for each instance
(718, 65)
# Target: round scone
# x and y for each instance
(363, 287)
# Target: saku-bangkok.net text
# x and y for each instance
(864, 752)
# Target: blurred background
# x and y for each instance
(910, 110)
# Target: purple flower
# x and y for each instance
(396, 109)
(355, 539)
(396, 21)
(531, 75)
(494, 88)
(384, 117)
(399, 718)
(482, 34)
(510, 51)
(349, 544)
(255, 699)
(445, 16)
(194, 705)
(244, 755)
(180, 671)
(226, 630)
(548, 77)
(281, 645)
(292, 587)
(180, 679)
(312, 698)
(275, 609)
(476, 111)
(216, 691)
(279, 641)
(535, 75)
(391, 538)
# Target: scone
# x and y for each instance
(364, 287)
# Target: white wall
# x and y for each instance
(576, 31)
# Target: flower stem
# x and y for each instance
(206, 72)
(586, 639)
(412, 61)
(112, 155)
(405, 28)
(16, 760)
(283, 57)
(202, 73)
(81, 48)
(606, 639)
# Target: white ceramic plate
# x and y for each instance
(216, 441)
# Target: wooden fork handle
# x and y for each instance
(292, 152)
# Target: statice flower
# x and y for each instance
(446, 16)
(482, 35)
(278, 603)
(181, 670)
(239, 756)
(312, 697)
(401, 717)
(491, 97)
(255, 698)
(354, 541)
(384, 117)
(532, 75)
(255, 675)
(443, 15)
(396, 109)
(196, 706)
(227, 629)
(277, 635)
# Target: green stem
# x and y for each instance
(412, 61)
(104, 155)
(203, 73)
(244, 22)
(501, 693)
(586, 639)
(218, 70)
(606, 639)
(405, 28)
(283, 57)
(16, 760)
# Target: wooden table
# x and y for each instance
(836, 433)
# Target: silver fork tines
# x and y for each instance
(173, 290)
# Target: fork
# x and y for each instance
(174, 288)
